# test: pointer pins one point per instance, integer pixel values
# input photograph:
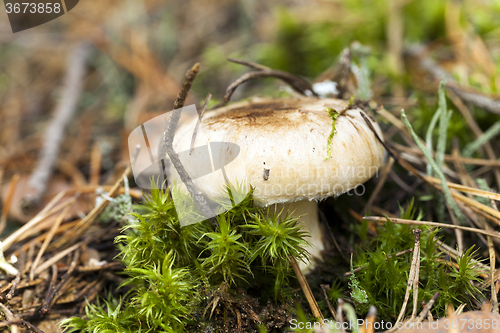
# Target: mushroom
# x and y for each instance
(282, 147)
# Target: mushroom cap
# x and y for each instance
(281, 148)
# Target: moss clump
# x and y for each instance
(384, 273)
(334, 115)
(178, 276)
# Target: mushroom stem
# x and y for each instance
(307, 212)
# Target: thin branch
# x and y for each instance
(15, 283)
(416, 253)
(168, 138)
(179, 103)
(51, 297)
(412, 279)
(297, 83)
(31, 326)
(200, 117)
(326, 288)
(50, 289)
(48, 239)
(430, 66)
(248, 64)
(73, 86)
(427, 308)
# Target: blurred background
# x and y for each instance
(114, 64)
(85, 80)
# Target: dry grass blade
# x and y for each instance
(306, 289)
(90, 218)
(52, 296)
(467, 189)
(369, 322)
(412, 280)
(449, 158)
(471, 122)
(48, 239)
(494, 234)
(25, 230)
(8, 201)
(473, 203)
(57, 257)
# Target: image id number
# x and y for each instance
(27, 7)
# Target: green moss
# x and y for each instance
(173, 270)
(334, 115)
(384, 273)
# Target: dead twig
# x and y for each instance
(51, 296)
(168, 138)
(31, 326)
(47, 240)
(15, 283)
(179, 103)
(248, 64)
(200, 117)
(326, 288)
(491, 249)
(427, 308)
(298, 84)
(23, 232)
(430, 66)
(73, 84)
